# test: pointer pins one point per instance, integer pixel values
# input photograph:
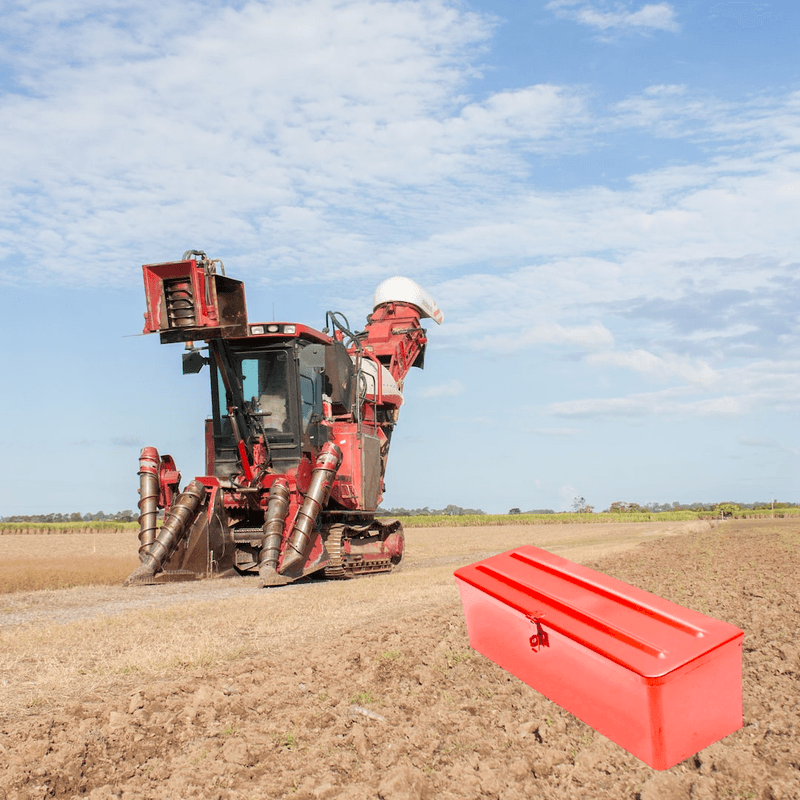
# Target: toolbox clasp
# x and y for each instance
(540, 637)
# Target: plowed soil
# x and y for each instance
(392, 703)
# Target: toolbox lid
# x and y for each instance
(645, 633)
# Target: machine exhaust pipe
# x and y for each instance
(176, 524)
(149, 462)
(316, 497)
(273, 529)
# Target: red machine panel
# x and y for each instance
(187, 301)
(658, 679)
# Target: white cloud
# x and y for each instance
(308, 132)
(661, 368)
(638, 405)
(772, 386)
(557, 432)
(728, 332)
(584, 337)
(674, 110)
(532, 113)
(763, 443)
(746, 15)
(127, 441)
(295, 105)
(739, 203)
(598, 407)
(712, 407)
(653, 16)
(754, 441)
(450, 389)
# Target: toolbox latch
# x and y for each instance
(539, 638)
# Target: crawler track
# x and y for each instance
(352, 549)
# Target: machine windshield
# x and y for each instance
(264, 386)
(265, 396)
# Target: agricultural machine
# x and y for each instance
(298, 439)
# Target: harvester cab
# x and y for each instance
(298, 439)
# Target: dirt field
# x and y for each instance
(368, 688)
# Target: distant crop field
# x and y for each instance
(469, 520)
(429, 521)
(95, 526)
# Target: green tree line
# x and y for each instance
(447, 511)
(726, 508)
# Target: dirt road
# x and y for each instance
(427, 548)
(368, 688)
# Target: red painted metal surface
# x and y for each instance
(658, 679)
(385, 323)
(187, 302)
(203, 313)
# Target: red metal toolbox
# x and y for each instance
(658, 679)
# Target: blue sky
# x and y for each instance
(602, 197)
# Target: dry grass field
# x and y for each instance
(29, 562)
(149, 631)
(368, 688)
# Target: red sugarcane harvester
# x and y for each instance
(298, 439)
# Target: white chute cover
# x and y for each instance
(404, 290)
(388, 384)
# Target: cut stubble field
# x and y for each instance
(368, 688)
(30, 562)
(149, 631)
